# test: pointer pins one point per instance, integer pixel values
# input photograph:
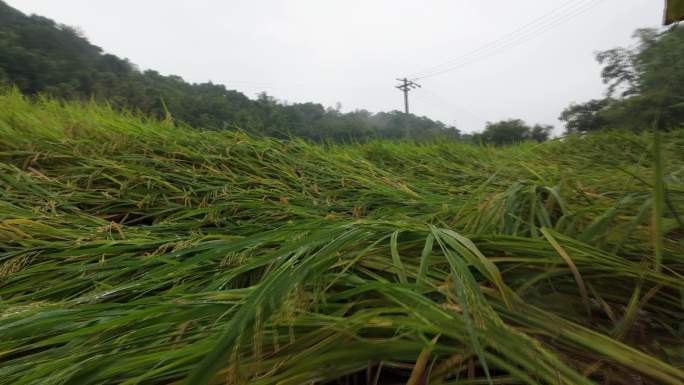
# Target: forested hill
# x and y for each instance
(38, 55)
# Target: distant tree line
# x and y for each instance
(38, 55)
(645, 86)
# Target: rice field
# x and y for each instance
(135, 251)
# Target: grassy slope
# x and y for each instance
(138, 252)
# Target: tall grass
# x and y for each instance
(136, 252)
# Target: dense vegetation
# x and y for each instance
(645, 85)
(139, 252)
(40, 56)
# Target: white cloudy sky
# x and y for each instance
(351, 51)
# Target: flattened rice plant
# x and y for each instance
(138, 252)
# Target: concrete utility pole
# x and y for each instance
(406, 86)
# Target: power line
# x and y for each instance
(528, 31)
(542, 28)
(531, 30)
(506, 36)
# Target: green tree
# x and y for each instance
(586, 116)
(512, 131)
(644, 83)
(540, 132)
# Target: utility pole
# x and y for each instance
(406, 86)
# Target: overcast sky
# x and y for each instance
(504, 58)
